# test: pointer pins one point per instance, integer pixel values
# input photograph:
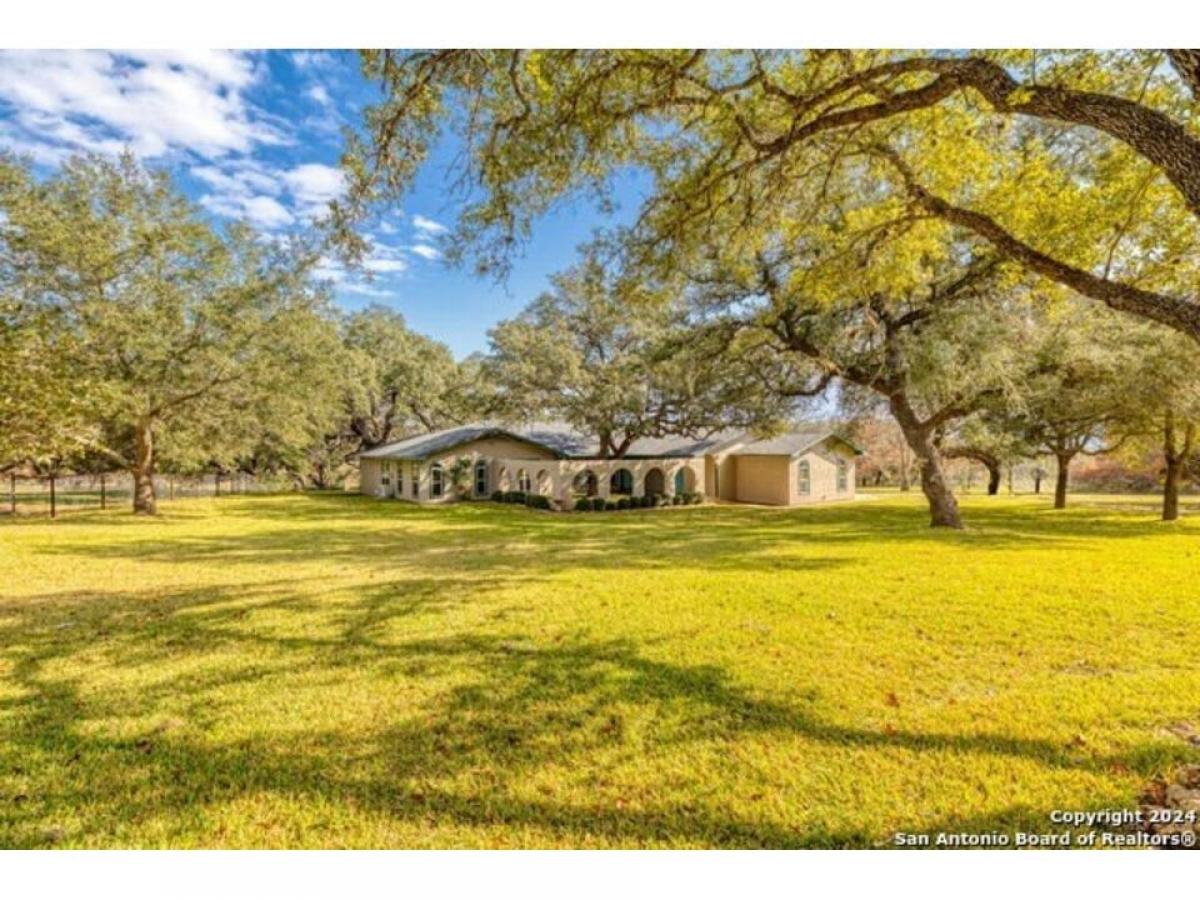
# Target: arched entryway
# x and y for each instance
(621, 482)
(655, 482)
(585, 483)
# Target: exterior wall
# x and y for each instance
(491, 450)
(765, 479)
(720, 476)
(403, 472)
(741, 478)
(368, 477)
(822, 463)
(557, 476)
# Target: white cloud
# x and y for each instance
(425, 251)
(428, 226)
(318, 94)
(313, 185)
(308, 60)
(154, 102)
(247, 189)
(363, 289)
(261, 211)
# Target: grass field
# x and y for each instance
(323, 670)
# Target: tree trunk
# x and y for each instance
(994, 476)
(1037, 480)
(1176, 459)
(1170, 510)
(144, 501)
(53, 499)
(1060, 480)
(943, 508)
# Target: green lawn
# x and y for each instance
(339, 671)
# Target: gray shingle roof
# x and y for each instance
(563, 441)
(793, 443)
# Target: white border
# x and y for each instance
(604, 875)
(600, 23)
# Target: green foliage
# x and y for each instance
(613, 356)
(184, 345)
(1079, 165)
(583, 504)
(401, 382)
(599, 504)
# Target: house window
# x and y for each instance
(437, 480)
(399, 479)
(621, 482)
(481, 479)
(523, 482)
(416, 481)
(386, 477)
(803, 478)
(842, 471)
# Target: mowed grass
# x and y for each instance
(337, 671)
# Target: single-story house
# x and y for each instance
(799, 467)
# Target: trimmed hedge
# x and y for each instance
(599, 504)
(537, 501)
(623, 503)
(498, 496)
(583, 504)
(609, 506)
(677, 500)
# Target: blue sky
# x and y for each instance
(257, 136)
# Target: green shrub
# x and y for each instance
(537, 501)
(610, 505)
(515, 497)
(599, 504)
(664, 500)
(677, 500)
(583, 504)
(623, 503)
(696, 499)
(498, 496)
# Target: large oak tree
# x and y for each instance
(174, 338)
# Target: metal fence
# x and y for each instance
(53, 495)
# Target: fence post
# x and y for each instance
(53, 505)
(103, 498)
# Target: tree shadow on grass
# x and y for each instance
(462, 756)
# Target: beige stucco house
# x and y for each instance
(796, 468)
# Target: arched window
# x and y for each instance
(523, 482)
(585, 483)
(842, 471)
(481, 479)
(437, 480)
(803, 478)
(621, 482)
